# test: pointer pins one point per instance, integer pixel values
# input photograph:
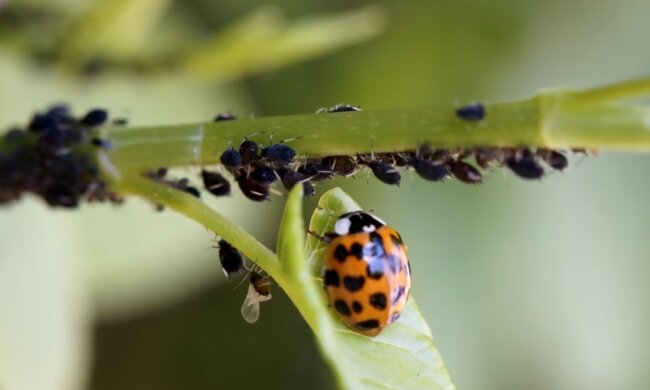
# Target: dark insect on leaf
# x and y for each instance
(554, 159)
(215, 183)
(525, 166)
(343, 108)
(316, 171)
(290, 178)
(342, 165)
(101, 143)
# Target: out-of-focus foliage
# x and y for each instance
(525, 285)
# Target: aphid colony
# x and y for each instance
(256, 168)
(50, 158)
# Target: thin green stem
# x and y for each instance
(634, 89)
(210, 219)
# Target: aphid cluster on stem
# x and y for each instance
(54, 158)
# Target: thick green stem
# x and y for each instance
(554, 119)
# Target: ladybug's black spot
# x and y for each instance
(357, 307)
(357, 250)
(367, 324)
(342, 307)
(396, 240)
(378, 301)
(331, 278)
(353, 284)
(375, 268)
(340, 253)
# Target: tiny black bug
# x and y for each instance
(224, 116)
(253, 190)
(554, 159)
(230, 159)
(120, 122)
(471, 112)
(290, 178)
(316, 171)
(525, 165)
(279, 153)
(96, 117)
(248, 151)
(385, 172)
(465, 172)
(101, 143)
(215, 183)
(182, 185)
(428, 170)
(263, 175)
(343, 108)
(231, 259)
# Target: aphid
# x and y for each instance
(215, 183)
(471, 112)
(259, 290)
(96, 117)
(231, 259)
(263, 175)
(343, 108)
(252, 189)
(120, 122)
(524, 165)
(224, 116)
(385, 172)
(278, 153)
(465, 172)
(342, 165)
(290, 178)
(101, 143)
(316, 171)
(428, 170)
(366, 272)
(248, 151)
(231, 159)
(554, 159)
(182, 185)
(484, 157)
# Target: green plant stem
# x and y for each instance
(553, 119)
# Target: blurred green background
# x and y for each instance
(525, 285)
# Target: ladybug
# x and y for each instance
(259, 290)
(366, 272)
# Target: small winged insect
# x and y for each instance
(472, 112)
(215, 183)
(231, 259)
(259, 290)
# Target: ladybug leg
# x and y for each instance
(327, 237)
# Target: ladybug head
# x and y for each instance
(357, 222)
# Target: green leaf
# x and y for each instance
(404, 356)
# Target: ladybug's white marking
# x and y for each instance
(342, 226)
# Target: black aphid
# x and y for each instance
(253, 190)
(316, 171)
(341, 165)
(523, 164)
(290, 178)
(263, 175)
(231, 259)
(224, 116)
(231, 159)
(96, 117)
(248, 151)
(471, 112)
(428, 170)
(215, 183)
(343, 108)
(465, 172)
(279, 153)
(554, 159)
(385, 172)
